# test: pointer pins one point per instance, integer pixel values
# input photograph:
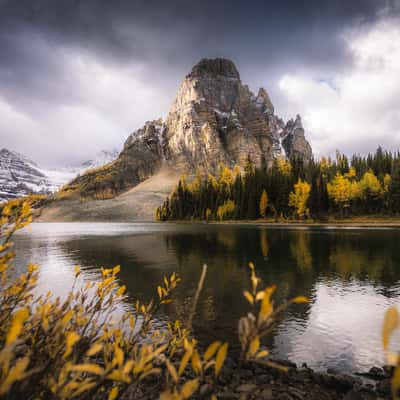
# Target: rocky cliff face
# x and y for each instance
(294, 141)
(214, 119)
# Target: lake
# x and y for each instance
(351, 276)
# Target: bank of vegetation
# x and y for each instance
(291, 189)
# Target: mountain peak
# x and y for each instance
(215, 67)
(215, 119)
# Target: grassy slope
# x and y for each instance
(137, 204)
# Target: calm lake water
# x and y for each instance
(350, 275)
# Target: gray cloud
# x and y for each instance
(89, 72)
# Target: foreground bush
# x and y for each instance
(81, 347)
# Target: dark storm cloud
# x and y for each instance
(41, 43)
(172, 34)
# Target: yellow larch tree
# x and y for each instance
(284, 166)
(351, 174)
(387, 179)
(226, 210)
(299, 197)
(263, 204)
(370, 186)
(339, 190)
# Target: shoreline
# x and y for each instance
(255, 381)
(343, 223)
(356, 222)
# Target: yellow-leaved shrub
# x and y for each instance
(72, 348)
(391, 323)
(260, 321)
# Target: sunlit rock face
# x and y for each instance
(214, 119)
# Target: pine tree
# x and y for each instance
(394, 189)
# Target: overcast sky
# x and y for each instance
(77, 76)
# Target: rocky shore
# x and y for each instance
(255, 381)
(260, 382)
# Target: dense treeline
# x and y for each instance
(291, 189)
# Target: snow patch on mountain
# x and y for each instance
(20, 176)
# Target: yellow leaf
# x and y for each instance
(172, 371)
(272, 364)
(16, 325)
(260, 296)
(113, 393)
(77, 270)
(196, 363)
(94, 349)
(70, 339)
(116, 270)
(16, 373)
(119, 355)
(189, 388)
(184, 361)
(300, 299)
(92, 368)
(220, 359)
(266, 306)
(187, 345)
(262, 353)
(32, 268)
(106, 272)
(254, 346)
(390, 323)
(67, 317)
(248, 297)
(212, 348)
(82, 387)
(152, 371)
(128, 367)
(121, 291)
(118, 376)
(392, 359)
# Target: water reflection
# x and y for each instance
(350, 275)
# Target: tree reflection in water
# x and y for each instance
(346, 273)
